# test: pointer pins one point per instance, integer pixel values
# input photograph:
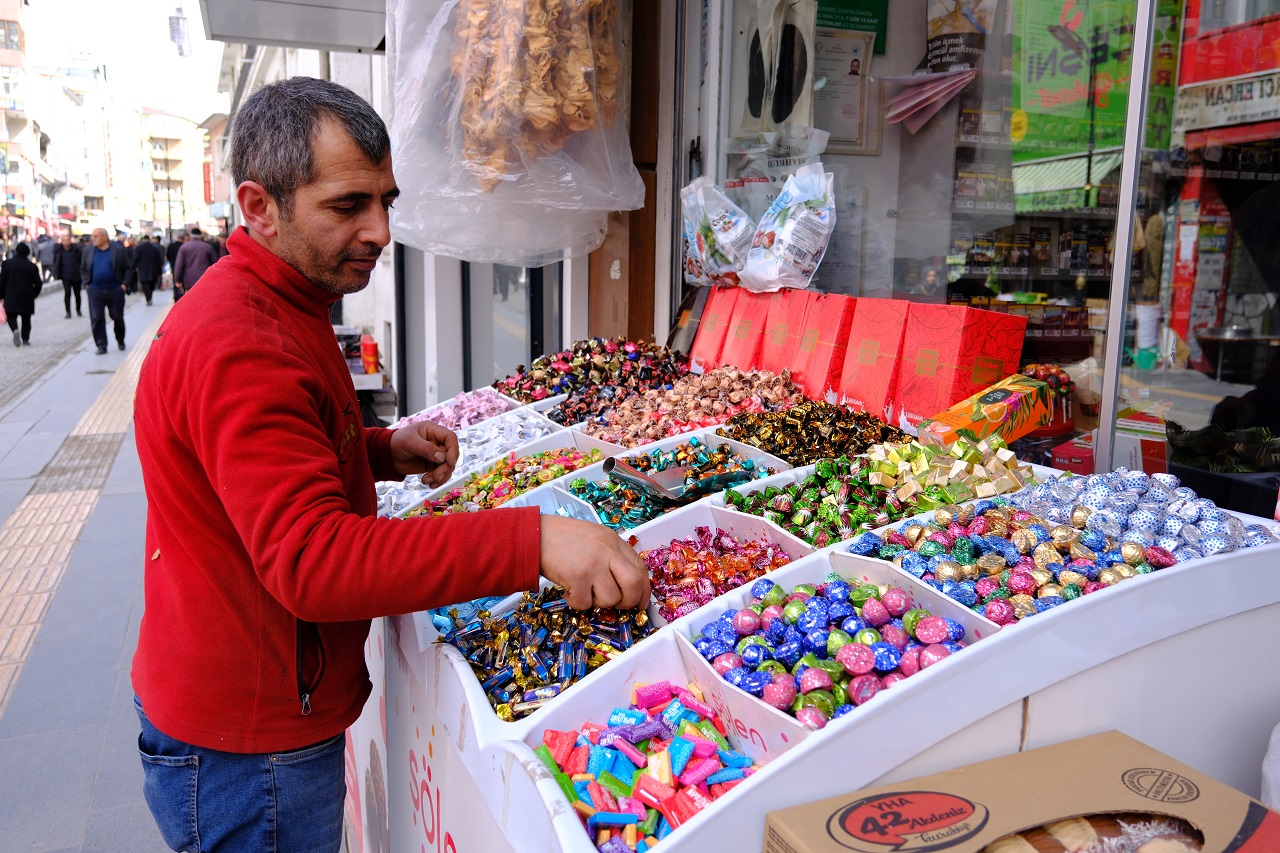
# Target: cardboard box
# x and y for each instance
(1010, 409)
(783, 327)
(823, 345)
(871, 360)
(949, 353)
(964, 810)
(745, 336)
(712, 328)
(1140, 446)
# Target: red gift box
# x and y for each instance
(783, 326)
(949, 353)
(875, 343)
(712, 328)
(821, 352)
(746, 330)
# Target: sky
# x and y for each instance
(132, 41)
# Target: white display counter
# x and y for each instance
(1179, 659)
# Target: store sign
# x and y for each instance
(1228, 102)
(865, 16)
(208, 183)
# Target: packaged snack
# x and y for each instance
(721, 233)
(792, 237)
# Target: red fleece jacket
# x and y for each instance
(264, 557)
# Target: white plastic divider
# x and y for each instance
(576, 507)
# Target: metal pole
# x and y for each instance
(1122, 266)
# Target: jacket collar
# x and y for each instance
(277, 274)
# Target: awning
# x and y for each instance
(1058, 184)
(352, 25)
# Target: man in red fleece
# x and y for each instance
(265, 558)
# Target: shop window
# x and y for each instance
(511, 315)
(94, 202)
(12, 35)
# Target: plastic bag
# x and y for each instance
(509, 126)
(792, 236)
(760, 165)
(780, 57)
(718, 234)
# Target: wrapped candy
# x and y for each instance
(481, 444)
(397, 497)
(462, 411)
(818, 651)
(693, 402)
(670, 733)
(507, 478)
(690, 572)
(809, 431)
(526, 657)
(594, 362)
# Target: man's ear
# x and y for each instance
(260, 211)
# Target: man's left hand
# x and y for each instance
(425, 448)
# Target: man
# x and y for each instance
(194, 259)
(66, 268)
(148, 263)
(131, 258)
(20, 284)
(102, 269)
(265, 558)
(171, 251)
(44, 254)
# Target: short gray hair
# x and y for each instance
(272, 133)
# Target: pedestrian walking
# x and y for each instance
(131, 264)
(148, 265)
(102, 269)
(171, 250)
(20, 284)
(66, 268)
(265, 559)
(194, 259)
(44, 254)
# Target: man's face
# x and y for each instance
(339, 224)
(100, 239)
(66, 241)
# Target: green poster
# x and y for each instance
(1059, 46)
(868, 16)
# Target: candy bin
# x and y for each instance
(762, 543)
(810, 431)
(463, 410)
(713, 464)
(523, 477)
(828, 633)
(596, 361)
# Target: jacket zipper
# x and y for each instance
(308, 630)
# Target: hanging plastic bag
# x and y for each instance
(721, 233)
(509, 127)
(792, 236)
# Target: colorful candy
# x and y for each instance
(509, 477)
(647, 769)
(652, 370)
(690, 572)
(818, 651)
(596, 361)
(622, 506)
(526, 657)
(809, 431)
(462, 411)
(694, 401)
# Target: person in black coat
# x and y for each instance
(131, 270)
(20, 284)
(148, 262)
(171, 252)
(66, 268)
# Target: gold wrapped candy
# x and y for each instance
(1133, 553)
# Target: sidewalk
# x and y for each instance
(73, 513)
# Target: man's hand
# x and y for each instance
(427, 449)
(592, 564)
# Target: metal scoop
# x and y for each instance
(668, 484)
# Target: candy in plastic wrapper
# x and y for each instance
(792, 236)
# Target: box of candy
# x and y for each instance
(1010, 408)
(712, 328)
(871, 359)
(950, 353)
(745, 337)
(821, 353)
(783, 328)
(1102, 792)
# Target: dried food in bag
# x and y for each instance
(721, 233)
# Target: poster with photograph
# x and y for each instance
(841, 105)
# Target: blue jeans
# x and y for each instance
(207, 800)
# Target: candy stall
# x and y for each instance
(909, 259)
